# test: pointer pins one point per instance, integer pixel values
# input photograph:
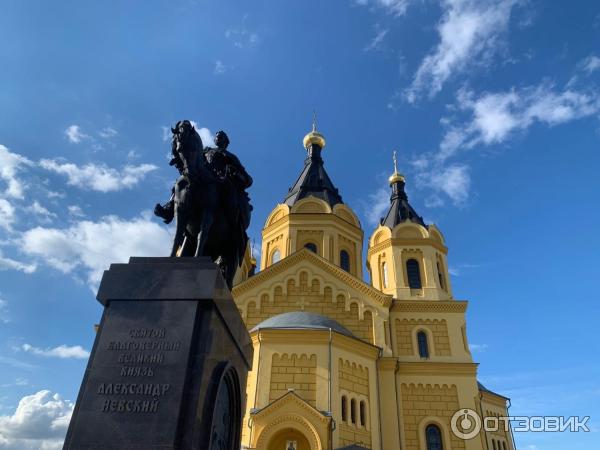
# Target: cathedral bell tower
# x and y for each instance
(406, 257)
(313, 216)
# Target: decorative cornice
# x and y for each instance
(493, 398)
(390, 242)
(437, 368)
(433, 306)
(308, 256)
(387, 363)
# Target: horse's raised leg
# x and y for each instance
(205, 226)
(179, 233)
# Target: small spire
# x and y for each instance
(314, 137)
(396, 176)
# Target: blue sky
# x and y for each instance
(493, 107)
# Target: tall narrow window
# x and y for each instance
(312, 247)
(441, 276)
(414, 274)
(344, 408)
(384, 274)
(275, 257)
(345, 260)
(363, 414)
(494, 444)
(433, 438)
(503, 445)
(422, 344)
(353, 411)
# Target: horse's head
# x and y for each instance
(186, 139)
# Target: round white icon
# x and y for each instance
(465, 424)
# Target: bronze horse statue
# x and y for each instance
(208, 201)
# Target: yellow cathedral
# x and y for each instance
(342, 363)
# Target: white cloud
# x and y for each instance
(590, 64)
(395, 7)
(379, 203)
(39, 422)
(17, 382)
(457, 270)
(205, 134)
(434, 201)
(62, 351)
(453, 180)
(53, 194)
(75, 211)
(75, 135)
(7, 214)
(41, 211)
(469, 32)
(242, 38)
(478, 348)
(10, 165)
(220, 68)
(494, 117)
(11, 264)
(375, 43)
(99, 177)
(93, 246)
(166, 133)
(4, 311)
(107, 132)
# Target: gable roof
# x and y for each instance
(291, 397)
(305, 255)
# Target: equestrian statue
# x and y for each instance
(208, 201)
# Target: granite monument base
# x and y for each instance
(169, 364)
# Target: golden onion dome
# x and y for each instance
(314, 138)
(396, 177)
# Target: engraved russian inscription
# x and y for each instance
(141, 355)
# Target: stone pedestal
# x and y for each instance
(169, 365)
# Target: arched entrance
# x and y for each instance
(288, 439)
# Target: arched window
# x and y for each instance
(345, 260)
(441, 276)
(433, 438)
(344, 408)
(414, 274)
(384, 274)
(422, 344)
(353, 411)
(275, 257)
(312, 247)
(494, 444)
(363, 414)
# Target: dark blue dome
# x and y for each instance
(301, 319)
